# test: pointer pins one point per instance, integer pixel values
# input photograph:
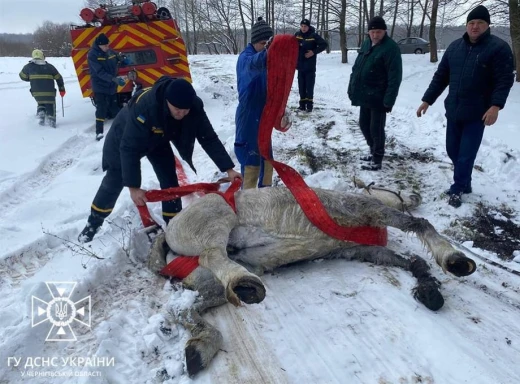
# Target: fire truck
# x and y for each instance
(146, 35)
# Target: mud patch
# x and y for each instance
(322, 130)
(491, 228)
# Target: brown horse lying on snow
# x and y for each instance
(269, 230)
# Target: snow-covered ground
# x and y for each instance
(321, 322)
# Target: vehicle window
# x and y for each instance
(141, 57)
(413, 41)
(401, 41)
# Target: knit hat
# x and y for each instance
(102, 39)
(377, 22)
(37, 54)
(306, 22)
(261, 31)
(180, 93)
(480, 13)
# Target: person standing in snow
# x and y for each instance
(310, 45)
(478, 68)
(373, 86)
(168, 111)
(42, 75)
(103, 64)
(252, 93)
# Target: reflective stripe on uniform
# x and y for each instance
(101, 210)
(41, 77)
(168, 214)
(44, 94)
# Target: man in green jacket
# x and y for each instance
(374, 85)
(42, 76)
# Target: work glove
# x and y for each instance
(62, 93)
(119, 81)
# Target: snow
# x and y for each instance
(321, 322)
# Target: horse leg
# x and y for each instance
(203, 229)
(427, 289)
(447, 257)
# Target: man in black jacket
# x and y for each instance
(478, 68)
(373, 86)
(42, 76)
(169, 111)
(310, 45)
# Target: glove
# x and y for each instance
(119, 81)
(62, 93)
(388, 109)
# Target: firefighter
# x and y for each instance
(42, 76)
(103, 64)
(169, 111)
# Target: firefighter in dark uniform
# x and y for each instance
(42, 76)
(103, 64)
(310, 45)
(169, 111)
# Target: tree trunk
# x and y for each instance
(425, 11)
(343, 32)
(410, 23)
(433, 39)
(360, 24)
(303, 9)
(372, 6)
(381, 7)
(514, 27)
(395, 18)
(242, 19)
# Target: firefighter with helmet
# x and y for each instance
(42, 75)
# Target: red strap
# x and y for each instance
(281, 64)
(180, 267)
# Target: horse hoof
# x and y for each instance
(193, 360)
(460, 265)
(427, 292)
(250, 290)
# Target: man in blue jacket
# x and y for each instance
(478, 68)
(252, 94)
(103, 64)
(170, 111)
(310, 45)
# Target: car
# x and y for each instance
(415, 45)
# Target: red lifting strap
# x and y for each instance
(282, 56)
(180, 267)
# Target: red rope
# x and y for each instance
(281, 64)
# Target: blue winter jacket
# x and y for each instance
(103, 68)
(252, 94)
(479, 76)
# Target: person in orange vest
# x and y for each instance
(42, 75)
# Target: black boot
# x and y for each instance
(366, 158)
(41, 117)
(303, 104)
(372, 167)
(88, 233)
(310, 105)
(455, 200)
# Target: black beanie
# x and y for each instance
(180, 94)
(306, 22)
(102, 39)
(261, 31)
(377, 22)
(480, 13)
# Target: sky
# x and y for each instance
(328, 321)
(24, 16)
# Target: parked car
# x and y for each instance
(415, 45)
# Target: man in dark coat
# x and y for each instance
(252, 93)
(374, 85)
(103, 64)
(310, 45)
(478, 68)
(169, 111)
(42, 76)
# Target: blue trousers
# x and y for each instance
(463, 141)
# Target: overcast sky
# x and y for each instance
(24, 16)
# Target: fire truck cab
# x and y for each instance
(146, 35)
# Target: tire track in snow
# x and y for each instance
(50, 167)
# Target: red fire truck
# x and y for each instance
(148, 36)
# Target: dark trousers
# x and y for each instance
(372, 123)
(306, 81)
(106, 106)
(49, 110)
(463, 141)
(163, 163)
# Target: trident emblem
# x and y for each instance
(61, 309)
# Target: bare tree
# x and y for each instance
(53, 39)
(514, 27)
(432, 37)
